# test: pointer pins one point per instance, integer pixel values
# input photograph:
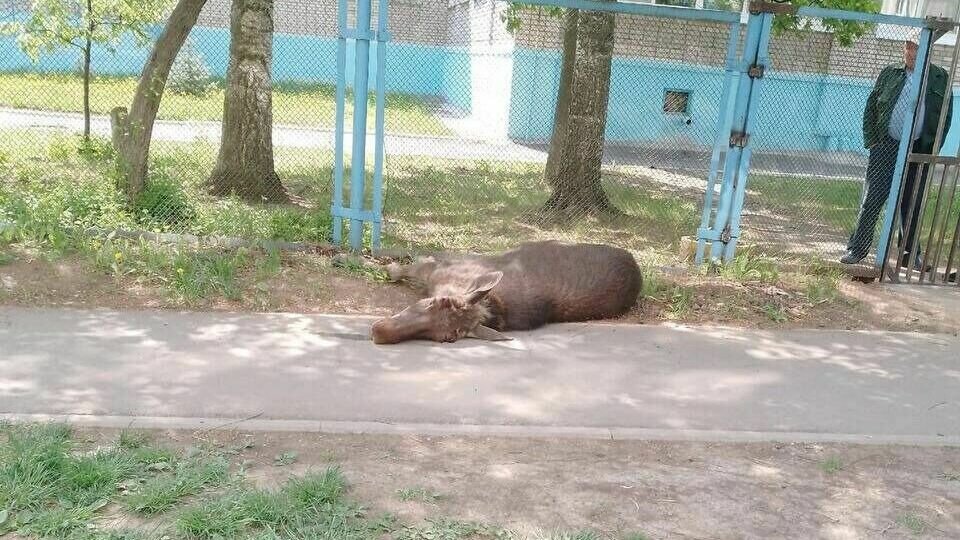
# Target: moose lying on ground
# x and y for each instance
(525, 288)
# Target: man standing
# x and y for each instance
(888, 108)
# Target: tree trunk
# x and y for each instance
(245, 166)
(576, 147)
(132, 131)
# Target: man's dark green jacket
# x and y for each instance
(876, 115)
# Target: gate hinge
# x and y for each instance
(756, 71)
(739, 138)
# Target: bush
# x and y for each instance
(189, 74)
(163, 201)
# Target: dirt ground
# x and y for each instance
(665, 490)
(310, 284)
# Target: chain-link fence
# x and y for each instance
(815, 187)
(472, 88)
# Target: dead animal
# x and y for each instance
(524, 288)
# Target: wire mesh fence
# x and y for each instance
(829, 129)
(472, 89)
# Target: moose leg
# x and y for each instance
(417, 273)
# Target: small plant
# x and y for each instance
(681, 301)
(950, 476)
(831, 465)
(189, 75)
(417, 494)
(284, 459)
(361, 269)
(164, 202)
(913, 523)
(749, 266)
(775, 313)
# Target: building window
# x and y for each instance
(676, 101)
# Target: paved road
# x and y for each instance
(623, 380)
(656, 155)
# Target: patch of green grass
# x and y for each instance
(750, 266)
(188, 478)
(654, 286)
(316, 489)
(418, 494)
(913, 523)
(681, 302)
(297, 104)
(359, 268)
(775, 313)
(831, 465)
(284, 459)
(449, 529)
(576, 535)
(221, 518)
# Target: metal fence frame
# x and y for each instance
(721, 215)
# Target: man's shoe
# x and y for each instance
(852, 258)
(917, 263)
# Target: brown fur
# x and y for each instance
(542, 282)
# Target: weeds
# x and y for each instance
(775, 313)
(831, 465)
(418, 494)
(913, 523)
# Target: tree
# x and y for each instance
(245, 165)
(576, 145)
(580, 118)
(56, 24)
(132, 131)
(575, 154)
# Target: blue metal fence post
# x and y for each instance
(358, 169)
(724, 119)
(382, 37)
(718, 235)
(337, 196)
(890, 211)
(761, 63)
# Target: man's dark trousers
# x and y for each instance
(883, 159)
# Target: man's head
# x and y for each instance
(910, 53)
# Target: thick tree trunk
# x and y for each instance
(576, 147)
(132, 131)
(245, 166)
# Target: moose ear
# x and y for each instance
(489, 334)
(482, 285)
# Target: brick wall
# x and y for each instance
(412, 21)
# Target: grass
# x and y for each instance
(829, 207)
(449, 529)
(293, 103)
(53, 487)
(831, 465)
(775, 312)
(417, 494)
(913, 523)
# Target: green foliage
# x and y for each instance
(164, 201)
(54, 24)
(845, 32)
(189, 75)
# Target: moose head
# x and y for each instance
(446, 318)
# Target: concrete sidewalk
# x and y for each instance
(623, 381)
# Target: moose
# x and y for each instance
(525, 288)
